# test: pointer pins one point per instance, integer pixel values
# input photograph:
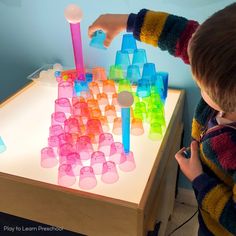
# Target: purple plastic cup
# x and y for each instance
(109, 173)
(66, 176)
(48, 157)
(104, 143)
(87, 178)
(97, 160)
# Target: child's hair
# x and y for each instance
(212, 54)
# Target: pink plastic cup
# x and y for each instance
(129, 163)
(48, 157)
(84, 147)
(110, 113)
(53, 141)
(66, 177)
(109, 173)
(62, 105)
(87, 178)
(117, 126)
(105, 141)
(97, 160)
(71, 125)
(65, 138)
(63, 150)
(94, 129)
(77, 99)
(108, 86)
(73, 159)
(58, 118)
(93, 86)
(137, 127)
(55, 130)
(102, 99)
(117, 154)
(65, 89)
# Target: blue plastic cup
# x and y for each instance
(80, 86)
(139, 57)
(149, 70)
(122, 59)
(2, 145)
(133, 74)
(143, 88)
(128, 43)
(98, 39)
(89, 77)
(164, 76)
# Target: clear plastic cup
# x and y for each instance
(48, 157)
(84, 147)
(137, 127)
(117, 126)
(122, 59)
(97, 160)
(65, 89)
(55, 130)
(143, 88)
(87, 178)
(62, 105)
(128, 43)
(110, 113)
(129, 163)
(117, 153)
(139, 57)
(104, 143)
(58, 118)
(133, 74)
(66, 176)
(109, 173)
(108, 87)
(71, 125)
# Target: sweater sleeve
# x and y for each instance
(163, 30)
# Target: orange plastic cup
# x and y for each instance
(93, 86)
(117, 126)
(109, 86)
(137, 127)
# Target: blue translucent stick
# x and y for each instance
(2, 145)
(125, 115)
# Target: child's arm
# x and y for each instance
(169, 32)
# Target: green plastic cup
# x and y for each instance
(116, 73)
(155, 131)
(124, 85)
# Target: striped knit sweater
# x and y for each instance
(215, 189)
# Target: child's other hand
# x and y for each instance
(191, 167)
(111, 24)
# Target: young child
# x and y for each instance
(210, 49)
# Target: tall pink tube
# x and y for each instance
(78, 52)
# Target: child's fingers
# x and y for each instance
(92, 29)
(179, 155)
(194, 149)
(108, 40)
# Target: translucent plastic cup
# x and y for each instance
(108, 87)
(63, 150)
(133, 74)
(104, 143)
(84, 147)
(114, 102)
(104, 123)
(129, 163)
(143, 88)
(92, 103)
(122, 59)
(137, 127)
(65, 89)
(155, 131)
(77, 99)
(117, 126)
(117, 154)
(109, 173)
(165, 77)
(58, 118)
(65, 138)
(102, 99)
(62, 105)
(55, 130)
(95, 113)
(124, 85)
(53, 141)
(97, 160)
(71, 125)
(48, 157)
(99, 74)
(94, 129)
(139, 57)
(81, 109)
(128, 43)
(87, 178)
(116, 73)
(149, 70)
(74, 160)
(93, 86)
(97, 40)
(110, 113)
(66, 176)
(2, 146)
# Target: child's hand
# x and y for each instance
(191, 167)
(111, 24)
